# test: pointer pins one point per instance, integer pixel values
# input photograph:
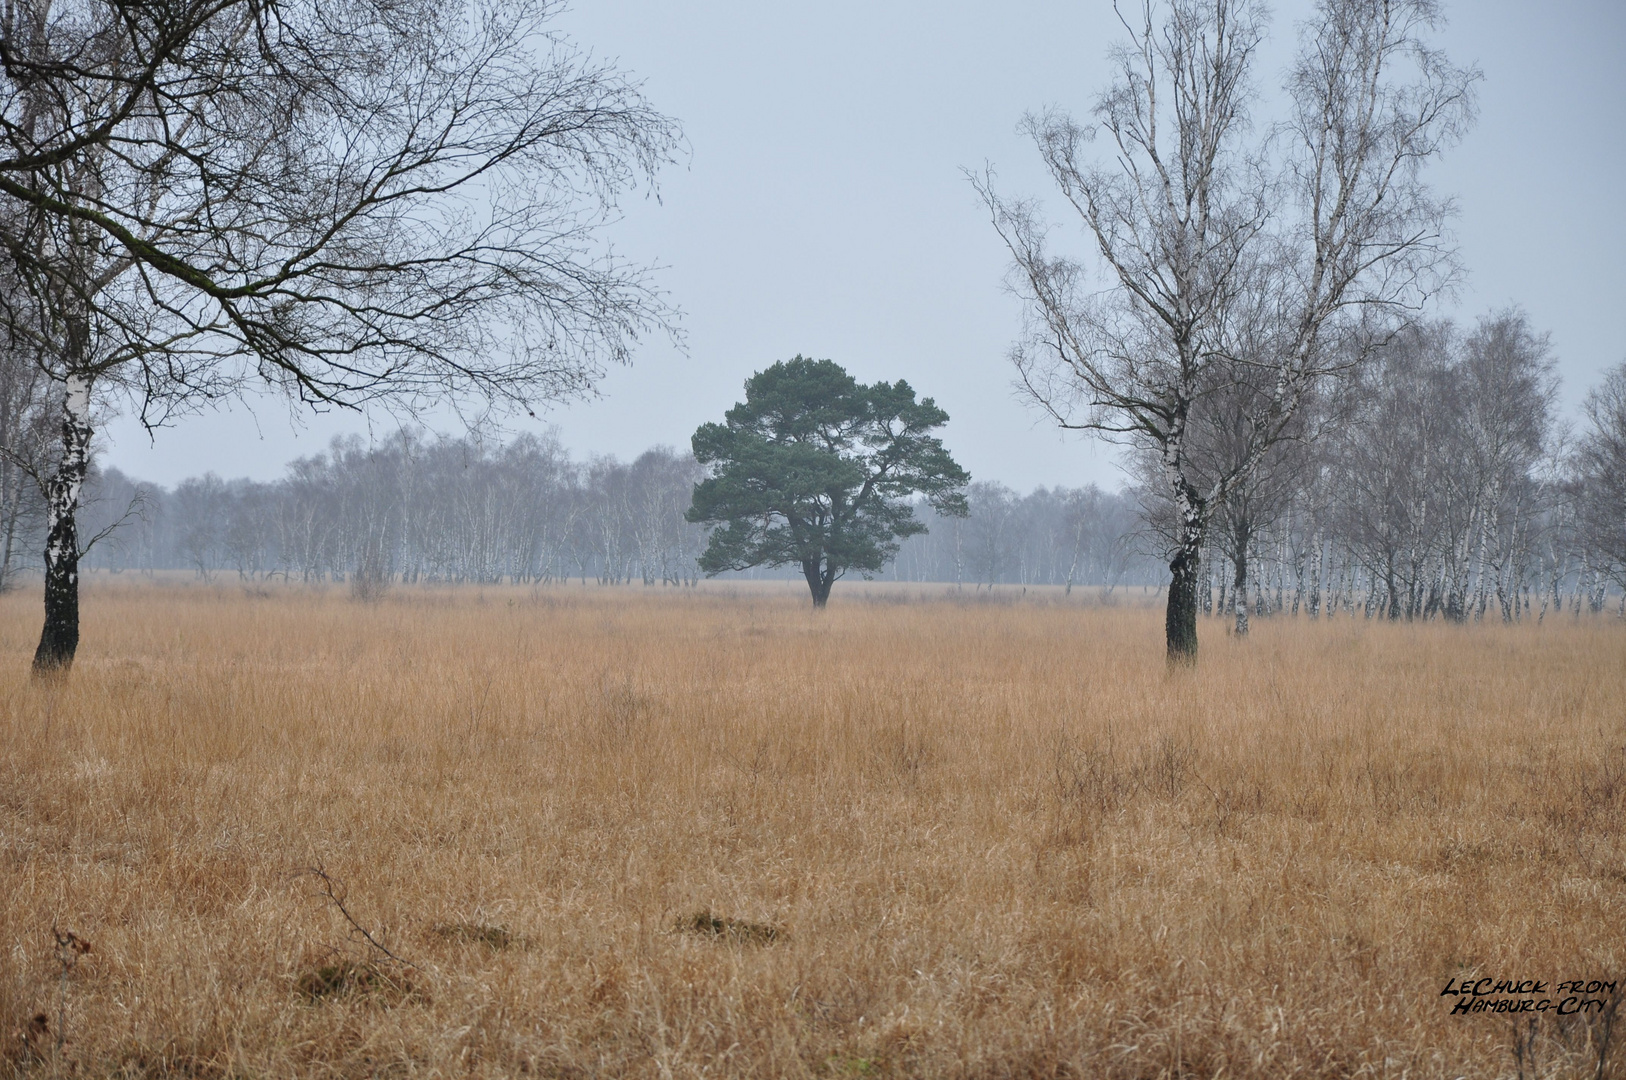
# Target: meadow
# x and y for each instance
(578, 831)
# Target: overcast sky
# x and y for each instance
(822, 210)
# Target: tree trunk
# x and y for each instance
(1180, 617)
(59, 639)
(1279, 602)
(1315, 576)
(1389, 580)
(820, 576)
(1298, 576)
(1239, 593)
(1078, 545)
(1487, 525)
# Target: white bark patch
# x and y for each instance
(76, 400)
(63, 491)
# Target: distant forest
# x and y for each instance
(421, 509)
(1439, 484)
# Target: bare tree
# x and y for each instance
(350, 201)
(200, 509)
(1219, 437)
(1226, 253)
(1600, 476)
(24, 436)
(1388, 464)
(1507, 389)
(1256, 505)
(1433, 486)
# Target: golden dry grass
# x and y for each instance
(653, 833)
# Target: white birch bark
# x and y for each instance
(59, 638)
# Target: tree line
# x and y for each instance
(1437, 481)
(412, 509)
(417, 509)
(1440, 483)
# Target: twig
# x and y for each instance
(335, 893)
(136, 509)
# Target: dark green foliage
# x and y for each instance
(815, 470)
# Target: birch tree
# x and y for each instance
(1258, 501)
(1507, 389)
(1224, 248)
(24, 435)
(391, 201)
(1389, 461)
(1600, 476)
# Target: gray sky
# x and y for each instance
(823, 210)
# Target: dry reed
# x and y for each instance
(622, 832)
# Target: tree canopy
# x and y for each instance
(816, 470)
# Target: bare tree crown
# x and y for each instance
(1235, 261)
(351, 200)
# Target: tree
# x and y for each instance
(1218, 439)
(1256, 504)
(1505, 394)
(1230, 259)
(813, 470)
(24, 434)
(390, 201)
(1600, 476)
(1389, 463)
(991, 529)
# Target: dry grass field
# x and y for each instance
(653, 833)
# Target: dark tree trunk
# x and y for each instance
(59, 638)
(1180, 617)
(1393, 588)
(820, 576)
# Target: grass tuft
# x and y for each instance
(737, 930)
(346, 979)
(492, 937)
